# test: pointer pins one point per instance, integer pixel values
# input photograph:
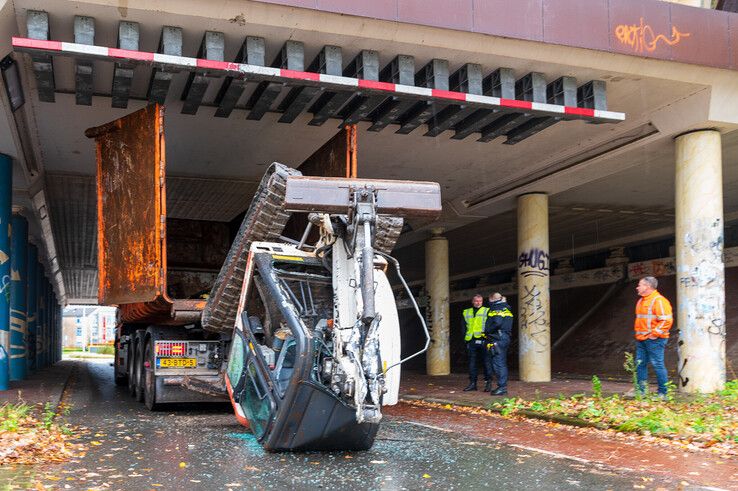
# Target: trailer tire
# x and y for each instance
(139, 366)
(132, 365)
(118, 375)
(149, 379)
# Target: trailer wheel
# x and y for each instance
(118, 375)
(139, 366)
(149, 379)
(132, 365)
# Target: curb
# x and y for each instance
(522, 412)
(64, 386)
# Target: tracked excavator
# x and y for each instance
(303, 335)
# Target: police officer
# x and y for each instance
(498, 330)
(475, 319)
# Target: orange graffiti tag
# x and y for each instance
(641, 37)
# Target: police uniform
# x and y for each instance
(498, 329)
(474, 324)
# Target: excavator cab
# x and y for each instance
(316, 342)
(276, 375)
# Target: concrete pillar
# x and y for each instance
(40, 315)
(699, 262)
(32, 307)
(6, 194)
(47, 321)
(57, 329)
(18, 298)
(438, 359)
(54, 310)
(534, 317)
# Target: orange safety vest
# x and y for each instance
(653, 317)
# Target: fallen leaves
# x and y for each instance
(30, 435)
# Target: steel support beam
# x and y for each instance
(401, 71)
(170, 44)
(298, 98)
(18, 296)
(434, 75)
(84, 33)
(128, 38)
(500, 83)
(252, 52)
(364, 66)
(562, 91)
(592, 95)
(37, 24)
(330, 62)
(396, 92)
(32, 316)
(467, 79)
(212, 47)
(290, 57)
(6, 194)
(531, 88)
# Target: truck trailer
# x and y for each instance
(301, 334)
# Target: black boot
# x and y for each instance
(499, 391)
(488, 386)
(470, 387)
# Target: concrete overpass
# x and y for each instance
(667, 69)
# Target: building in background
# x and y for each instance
(85, 325)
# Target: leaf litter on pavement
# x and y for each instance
(35, 434)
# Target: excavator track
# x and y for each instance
(265, 221)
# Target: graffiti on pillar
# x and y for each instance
(643, 39)
(534, 318)
(534, 262)
(428, 313)
(683, 380)
(4, 284)
(18, 324)
(701, 281)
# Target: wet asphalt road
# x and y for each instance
(131, 448)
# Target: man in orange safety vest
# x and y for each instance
(653, 320)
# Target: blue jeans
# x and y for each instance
(651, 351)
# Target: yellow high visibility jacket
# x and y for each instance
(475, 322)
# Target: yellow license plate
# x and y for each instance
(177, 362)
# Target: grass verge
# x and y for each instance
(704, 420)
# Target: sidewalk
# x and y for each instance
(449, 389)
(46, 385)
